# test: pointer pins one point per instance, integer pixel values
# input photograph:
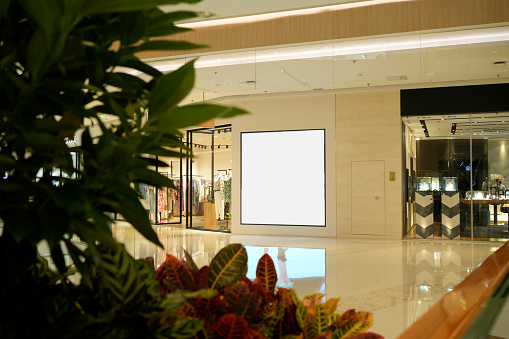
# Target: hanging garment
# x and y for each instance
(161, 200)
(219, 204)
(228, 189)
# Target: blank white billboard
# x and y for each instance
(283, 178)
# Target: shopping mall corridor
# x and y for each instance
(397, 280)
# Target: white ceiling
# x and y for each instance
(481, 126)
(409, 60)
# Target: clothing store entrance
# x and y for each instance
(208, 179)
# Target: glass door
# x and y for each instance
(208, 179)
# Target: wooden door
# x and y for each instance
(368, 197)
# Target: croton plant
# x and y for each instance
(241, 308)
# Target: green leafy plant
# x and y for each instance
(67, 67)
(241, 308)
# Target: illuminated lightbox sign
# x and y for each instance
(283, 178)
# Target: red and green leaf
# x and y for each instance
(201, 277)
(266, 273)
(306, 322)
(238, 299)
(270, 324)
(318, 296)
(367, 335)
(206, 308)
(321, 320)
(189, 262)
(174, 276)
(227, 266)
(231, 326)
(293, 336)
(254, 334)
(330, 305)
(288, 323)
(352, 324)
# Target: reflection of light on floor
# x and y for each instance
(299, 268)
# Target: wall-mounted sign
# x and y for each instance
(283, 178)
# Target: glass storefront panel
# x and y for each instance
(456, 176)
(208, 179)
(163, 205)
(490, 205)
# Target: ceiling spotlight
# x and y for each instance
(453, 128)
(424, 128)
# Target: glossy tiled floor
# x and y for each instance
(397, 280)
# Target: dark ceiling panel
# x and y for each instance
(455, 100)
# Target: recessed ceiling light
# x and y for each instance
(397, 77)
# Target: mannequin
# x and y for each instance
(219, 195)
(486, 184)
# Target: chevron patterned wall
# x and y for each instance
(451, 214)
(424, 214)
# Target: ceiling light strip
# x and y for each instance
(331, 50)
(282, 14)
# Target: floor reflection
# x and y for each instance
(397, 280)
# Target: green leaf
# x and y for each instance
(134, 212)
(186, 328)
(151, 177)
(164, 152)
(170, 90)
(76, 255)
(266, 273)
(163, 45)
(193, 115)
(71, 196)
(7, 161)
(45, 141)
(4, 5)
(162, 24)
(114, 6)
(227, 266)
(137, 64)
(21, 225)
(132, 27)
(58, 258)
(37, 56)
(45, 13)
(120, 279)
(160, 18)
(53, 229)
